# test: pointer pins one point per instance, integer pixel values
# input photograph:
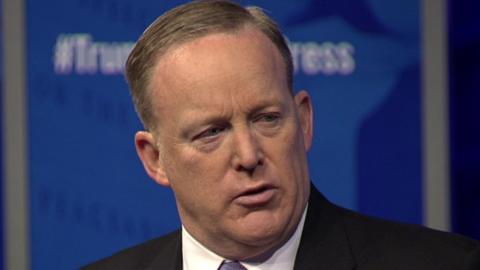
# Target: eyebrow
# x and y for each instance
(199, 117)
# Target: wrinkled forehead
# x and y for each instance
(217, 61)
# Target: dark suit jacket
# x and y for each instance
(333, 238)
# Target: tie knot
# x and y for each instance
(231, 266)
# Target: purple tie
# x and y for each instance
(231, 266)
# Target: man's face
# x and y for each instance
(231, 142)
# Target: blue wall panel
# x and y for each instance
(464, 41)
(89, 195)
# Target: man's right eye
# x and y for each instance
(213, 131)
(210, 132)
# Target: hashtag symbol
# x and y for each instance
(63, 55)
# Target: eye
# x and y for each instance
(268, 118)
(209, 133)
(212, 131)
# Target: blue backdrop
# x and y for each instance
(359, 60)
(464, 54)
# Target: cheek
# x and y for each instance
(198, 181)
(193, 169)
(291, 156)
(297, 145)
(290, 143)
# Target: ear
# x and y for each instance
(149, 154)
(305, 114)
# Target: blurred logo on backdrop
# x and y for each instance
(79, 53)
(327, 58)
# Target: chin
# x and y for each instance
(262, 235)
(260, 247)
(263, 228)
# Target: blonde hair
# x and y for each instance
(187, 22)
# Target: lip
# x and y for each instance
(257, 196)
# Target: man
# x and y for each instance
(212, 83)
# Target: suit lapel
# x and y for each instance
(324, 243)
(170, 256)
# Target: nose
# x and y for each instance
(247, 152)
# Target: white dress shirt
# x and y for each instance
(198, 257)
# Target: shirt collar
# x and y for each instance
(197, 256)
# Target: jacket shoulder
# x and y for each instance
(142, 255)
(380, 242)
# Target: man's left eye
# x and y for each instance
(269, 117)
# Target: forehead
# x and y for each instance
(216, 66)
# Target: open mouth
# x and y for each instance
(256, 197)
